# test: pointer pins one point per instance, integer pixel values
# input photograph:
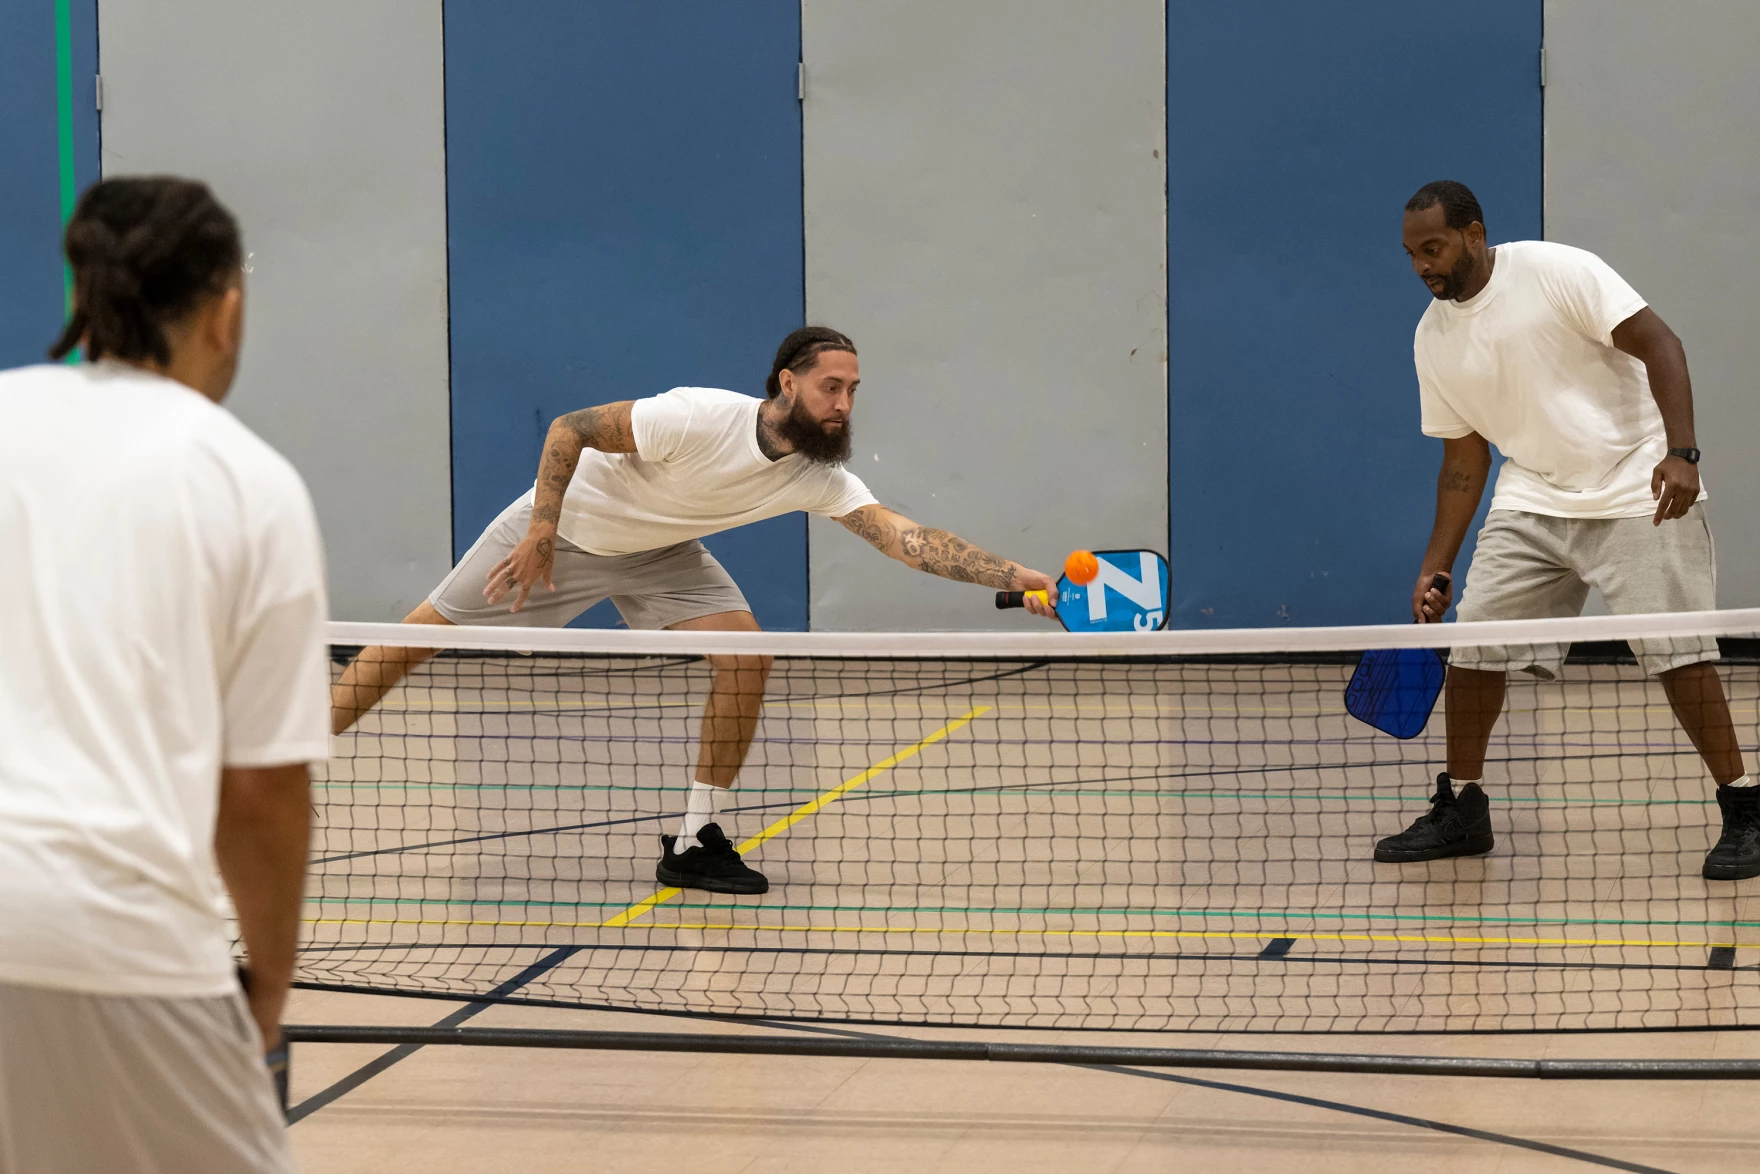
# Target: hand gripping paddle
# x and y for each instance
(1127, 592)
(1395, 689)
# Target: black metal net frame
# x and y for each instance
(1166, 832)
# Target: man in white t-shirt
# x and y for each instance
(624, 493)
(1544, 351)
(163, 686)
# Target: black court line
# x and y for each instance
(1543, 1147)
(372, 1068)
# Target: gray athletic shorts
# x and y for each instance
(1534, 566)
(652, 589)
(146, 1085)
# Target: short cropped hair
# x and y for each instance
(1459, 206)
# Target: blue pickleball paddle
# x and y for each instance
(1127, 594)
(1395, 689)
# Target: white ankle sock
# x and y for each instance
(1464, 782)
(699, 810)
(1745, 781)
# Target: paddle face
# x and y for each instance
(1394, 689)
(1128, 595)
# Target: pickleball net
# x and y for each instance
(1167, 831)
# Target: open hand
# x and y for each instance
(1025, 580)
(1675, 486)
(529, 562)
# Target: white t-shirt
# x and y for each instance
(697, 470)
(1529, 364)
(161, 616)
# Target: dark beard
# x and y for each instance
(807, 437)
(1457, 279)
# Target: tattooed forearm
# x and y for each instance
(929, 549)
(870, 524)
(952, 557)
(1455, 481)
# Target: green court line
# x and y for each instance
(1233, 915)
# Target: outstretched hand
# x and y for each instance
(1026, 580)
(528, 563)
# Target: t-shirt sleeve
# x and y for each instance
(1435, 416)
(660, 424)
(1589, 293)
(275, 697)
(844, 494)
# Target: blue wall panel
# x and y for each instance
(33, 296)
(1302, 491)
(624, 216)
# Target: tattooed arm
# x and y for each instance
(940, 553)
(606, 428)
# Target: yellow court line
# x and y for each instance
(808, 808)
(1254, 935)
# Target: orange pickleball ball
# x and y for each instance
(1081, 567)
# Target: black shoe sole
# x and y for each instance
(1730, 872)
(710, 884)
(1474, 846)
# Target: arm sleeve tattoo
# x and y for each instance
(928, 549)
(606, 428)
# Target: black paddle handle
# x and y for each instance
(1008, 599)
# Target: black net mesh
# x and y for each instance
(1144, 844)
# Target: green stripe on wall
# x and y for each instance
(64, 129)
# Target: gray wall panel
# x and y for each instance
(1652, 162)
(985, 216)
(321, 125)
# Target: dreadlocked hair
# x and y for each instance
(145, 251)
(1459, 206)
(801, 350)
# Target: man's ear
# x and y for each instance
(785, 382)
(223, 324)
(1476, 233)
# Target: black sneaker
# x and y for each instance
(710, 863)
(1454, 826)
(1736, 855)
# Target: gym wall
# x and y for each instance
(1302, 489)
(1652, 161)
(48, 154)
(320, 125)
(984, 217)
(1001, 202)
(624, 186)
